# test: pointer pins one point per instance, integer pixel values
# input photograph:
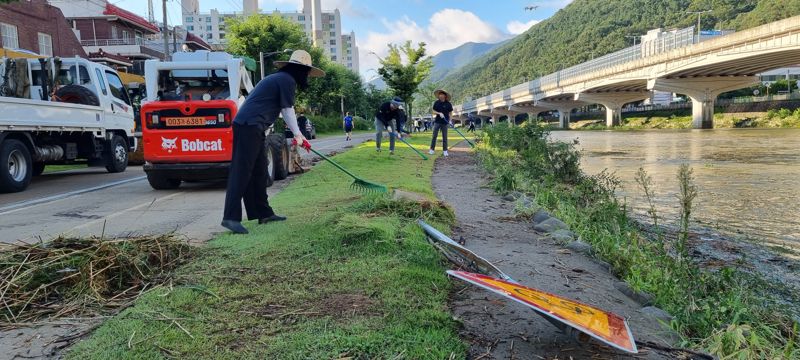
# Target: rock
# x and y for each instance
(410, 196)
(563, 235)
(550, 225)
(656, 313)
(513, 196)
(580, 247)
(641, 297)
(541, 215)
(525, 202)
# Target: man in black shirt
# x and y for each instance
(386, 120)
(247, 177)
(441, 110)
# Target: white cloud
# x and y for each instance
(517, 27)
(447, 29)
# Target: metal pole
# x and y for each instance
(164, 33)
(342, 98)
(261, 61)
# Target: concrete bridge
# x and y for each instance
(676, 61)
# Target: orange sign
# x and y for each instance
(607, 327)
(186, 121)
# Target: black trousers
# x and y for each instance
(436, 127)
(248, 175)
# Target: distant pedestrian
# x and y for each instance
(471, 120)
(417, 126)
(348, 126)
(441, 110)
(386, 120)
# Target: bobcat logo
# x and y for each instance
(169, 144)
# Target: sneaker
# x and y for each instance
(431, 152)
(391, 152)
(445, 153)
(271, 219)
(234, 226)
(378, 149)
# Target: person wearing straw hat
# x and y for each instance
(386, 119)
(247, 177)
(441, 110)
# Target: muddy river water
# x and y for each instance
(748, 180)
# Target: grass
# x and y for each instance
(723, 310)
(682, 119)
(58, 168)
(346, 276)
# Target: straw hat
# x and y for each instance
(301, 57)
(440, 91)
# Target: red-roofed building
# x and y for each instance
(102, 25)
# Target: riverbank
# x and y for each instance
(346, 275)
(682, 119)
(721, 309)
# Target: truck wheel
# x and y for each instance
(76, 94)
(280, 156)
(161, 182)
(38, 168)
(16, 166)
(117, 155)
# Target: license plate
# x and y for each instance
(188, 121)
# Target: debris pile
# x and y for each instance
(74, 276)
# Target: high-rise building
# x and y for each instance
(324, 28)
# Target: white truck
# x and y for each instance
(57, 111)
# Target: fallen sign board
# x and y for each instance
(460, 255)
(604, 326)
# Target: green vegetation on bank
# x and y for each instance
(347, 276)
(722, 310)
(682, 119)
(587, 29)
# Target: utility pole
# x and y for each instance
(165, 30)
(699, 14)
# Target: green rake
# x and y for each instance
(358, 183)
(412, 147)
(465, 138)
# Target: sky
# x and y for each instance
(442, 24)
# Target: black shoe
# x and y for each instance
(271, 219)
(234, 226)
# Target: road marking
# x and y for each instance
(5, 210)
(124, 211)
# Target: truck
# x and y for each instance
(61, 111)
(187, 119)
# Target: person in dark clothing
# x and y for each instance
(348, 126)
(302, 123)
(402, 118)
(441, 110)
(247, 177)
(471, 123)
(386, 120)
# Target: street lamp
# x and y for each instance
(699, 14)
(262, 55)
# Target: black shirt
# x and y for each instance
(264, 104)
(386, 114)
(445, 108)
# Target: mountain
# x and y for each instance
(448, 61)
(591, 28)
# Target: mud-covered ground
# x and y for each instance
(500, 329)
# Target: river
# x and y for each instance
(748, 179)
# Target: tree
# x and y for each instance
(404, 78)
(425, 97)
(269, 33)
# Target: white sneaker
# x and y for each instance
(431, 152)
(445, 153)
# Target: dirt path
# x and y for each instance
(501, 329)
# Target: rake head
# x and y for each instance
(368, 187)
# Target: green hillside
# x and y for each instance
(588, 28)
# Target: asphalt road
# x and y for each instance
(92, 202)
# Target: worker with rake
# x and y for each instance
(386, 119)
(247, 178)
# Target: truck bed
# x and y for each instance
(38, 115)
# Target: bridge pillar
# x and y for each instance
(613, 102)
(703, 91)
